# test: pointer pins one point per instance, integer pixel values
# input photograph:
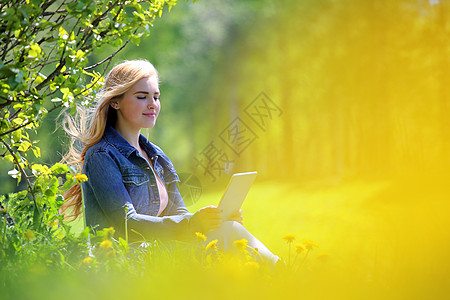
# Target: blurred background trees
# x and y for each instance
(360, 87)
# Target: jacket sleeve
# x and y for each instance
(177, 205)
(110, 198)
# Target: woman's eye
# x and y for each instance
(156, 98)
(141, 97)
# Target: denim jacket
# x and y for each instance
(118, 176)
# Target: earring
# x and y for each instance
(115, 105)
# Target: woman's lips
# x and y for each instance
(152, 114)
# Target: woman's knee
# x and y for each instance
(232, 226)
(227, 230)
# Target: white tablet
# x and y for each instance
(235, 193)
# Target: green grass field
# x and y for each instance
(381, 237)
(376, 240)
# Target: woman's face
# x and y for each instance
(139, 106)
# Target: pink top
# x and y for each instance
(163, 196)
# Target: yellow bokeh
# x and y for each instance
(358, 159)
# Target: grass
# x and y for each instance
(377, 240)
(323, 215)
(382, 239)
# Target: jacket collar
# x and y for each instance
(112, 137)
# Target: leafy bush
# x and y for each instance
(44, 67)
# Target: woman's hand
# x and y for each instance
(205, 219)
(237, 216)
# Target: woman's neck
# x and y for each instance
(131, 136)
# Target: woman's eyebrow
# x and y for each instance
(141, 92)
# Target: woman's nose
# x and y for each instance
(151, 103)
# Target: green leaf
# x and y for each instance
(39, 169)
(63, 33)
(24, 146)
(36, 216)
(17, 121)
(65, 91)
(136, 40)
(80, 54)
(36, 151)
(49, 193)
(34, 51)
(59, 168)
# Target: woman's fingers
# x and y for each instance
(213, 220)
(207, 218)
(237, 216)
(213, 224)
(211, 209)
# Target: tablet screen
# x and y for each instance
(235, 193)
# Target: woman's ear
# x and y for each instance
(115, 105)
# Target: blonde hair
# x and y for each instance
(88, 127)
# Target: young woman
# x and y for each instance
(130, 178)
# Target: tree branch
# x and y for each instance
(22, 171)
(29, 122)
(16, 128)
(52, 75)
(108, 58)
(51, 13)
(46, 4)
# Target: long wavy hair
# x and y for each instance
(87, 127)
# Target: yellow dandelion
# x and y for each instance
(106, 244)
(200, 236)
(310, 244)
(52, 224)
(300, 248)
(87, 260)
(29, 234)
(80, 178)
(211, 245)
(289, 237)
(323, 256)
(109, 232)
(240, 244)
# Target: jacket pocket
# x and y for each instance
(134, 176)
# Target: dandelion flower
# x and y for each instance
(211, 245)
(52, 224)
(109, 232)
(300, 248)
(200, 236)
(289, 237)
(310, 244)
(240, 244)
(106, 244)
(80, 178)
(29, 234)
(87, 260)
